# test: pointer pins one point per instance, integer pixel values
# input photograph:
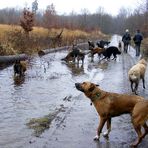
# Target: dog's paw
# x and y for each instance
(96, 138)
(133, 145)
(105, 134)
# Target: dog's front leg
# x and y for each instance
(132, 86)
(101, 124)
(105, 134)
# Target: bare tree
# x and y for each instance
(27, 21)
(34, 6)
(84, 19)
(49, 17)
(145, 25)
(142, 17)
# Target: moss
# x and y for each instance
(41, 124)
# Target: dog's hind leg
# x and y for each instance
(115, 56)
(132, 86)
(136, 87)
(105, 134)
(101, 124)
(143, 80)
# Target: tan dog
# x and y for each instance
(110, 105)
(136, 73)
(20, 67)
(139, 118)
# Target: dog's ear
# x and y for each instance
(92, 87)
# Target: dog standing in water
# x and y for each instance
(109, 105)
(19, 67)
(75, 54)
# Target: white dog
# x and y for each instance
(136, 73)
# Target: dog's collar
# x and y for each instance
(97, 96)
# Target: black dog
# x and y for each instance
(112, 50)
(19, 67)
(102, 43)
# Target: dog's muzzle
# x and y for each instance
(63, 59)
(78, 86)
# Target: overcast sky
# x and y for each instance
(67, 6)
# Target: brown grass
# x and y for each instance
(144, 48)
(40, 38)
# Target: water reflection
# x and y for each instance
(18, 81)
(103, 65)
(98, 65)
(46, 81)
(76, 68)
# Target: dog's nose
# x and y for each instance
(77, 84)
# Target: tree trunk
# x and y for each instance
(12, 58)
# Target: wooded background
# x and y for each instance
(100, 20)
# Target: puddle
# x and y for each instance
(37, 95)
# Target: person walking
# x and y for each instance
(126, 40)
(137, 40)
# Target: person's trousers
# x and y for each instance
(137, 47)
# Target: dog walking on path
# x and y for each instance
(136, 73)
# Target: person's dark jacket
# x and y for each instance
(138, 38)
(126, 38)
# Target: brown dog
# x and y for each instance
(20, 67)
(72, 56)
(110, 105)
(97, 50)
